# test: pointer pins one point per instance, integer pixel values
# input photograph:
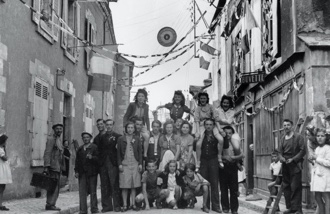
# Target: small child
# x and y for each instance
(171, 185)
(150, 190)
(196, 185)
(5, 173)
(275, 167)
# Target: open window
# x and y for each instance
(71, 16)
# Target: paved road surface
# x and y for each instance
(196, 210)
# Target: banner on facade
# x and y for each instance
(253, 77)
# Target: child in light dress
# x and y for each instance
(5, 173)
(320, 178)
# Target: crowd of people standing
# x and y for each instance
(172, 164)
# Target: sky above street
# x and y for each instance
(137, 23)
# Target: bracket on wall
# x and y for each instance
(59, 72)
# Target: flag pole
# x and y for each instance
(195, 28)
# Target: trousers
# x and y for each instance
(209, 170)
(110, 192)
(52, 196)
(87, 184)
(228, 177)
(292, 186)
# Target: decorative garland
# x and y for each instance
(294, 85)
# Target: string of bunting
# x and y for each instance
(293, 85)
(173, 48)
(86, 43)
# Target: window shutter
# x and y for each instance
(36, 6)
(77, 30)
(65, 18)
(56, 11)
(40, 118)
(276, 37)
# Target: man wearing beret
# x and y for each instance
(86, 169)
(54, 163)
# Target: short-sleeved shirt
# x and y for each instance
(150, 179)
(227, 116)
(204, 112)
(193, 183)
(275, 167)
(169, 144)
(176, 111)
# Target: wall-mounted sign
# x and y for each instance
(253, 77)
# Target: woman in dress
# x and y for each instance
(129, 154)
(5, 173)
(177, 107)
(169, 144)
(320, 182)
(140, 109)
(186, 147)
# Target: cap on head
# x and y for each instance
(89, 134)
(56, 125)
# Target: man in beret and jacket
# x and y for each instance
(86, 169)
(54, 163)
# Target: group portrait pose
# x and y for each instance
(170, 164)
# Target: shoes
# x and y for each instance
(4, 208)
(95, 211)
(234, 212)
(205, 209)
(158, 205)
(117, 209)
(218, 210)
(123, 209)
(226, 211)
(52, 208)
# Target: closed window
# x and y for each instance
(40, 120)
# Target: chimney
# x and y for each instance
(208, 81)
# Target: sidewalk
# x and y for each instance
(68, 202)
(260, 205)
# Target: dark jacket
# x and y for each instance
(130, 113)
(107, 147)
(299, 149)
(121, 149)
(83, 164)
(53, 157)
(179, 179)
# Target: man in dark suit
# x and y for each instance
(292, 150)
(86, 169)
(110, 193)
(54, 163)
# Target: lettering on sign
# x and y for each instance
(253, 78)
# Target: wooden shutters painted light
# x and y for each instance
(56, 13)
(77, 30)
(40, 121)
(65, 18)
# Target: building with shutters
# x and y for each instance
(281, 50)
(45, 74)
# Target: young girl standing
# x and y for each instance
(320, 181)
(5, 173)
(187, 142)
(129, 154)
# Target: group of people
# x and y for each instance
(167, 165)
(287, 165)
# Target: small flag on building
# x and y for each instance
(207, 48)
(203, 63)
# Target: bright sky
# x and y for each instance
(137, 23)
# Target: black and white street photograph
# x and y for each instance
(165, 106)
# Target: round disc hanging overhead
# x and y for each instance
(166, 36)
